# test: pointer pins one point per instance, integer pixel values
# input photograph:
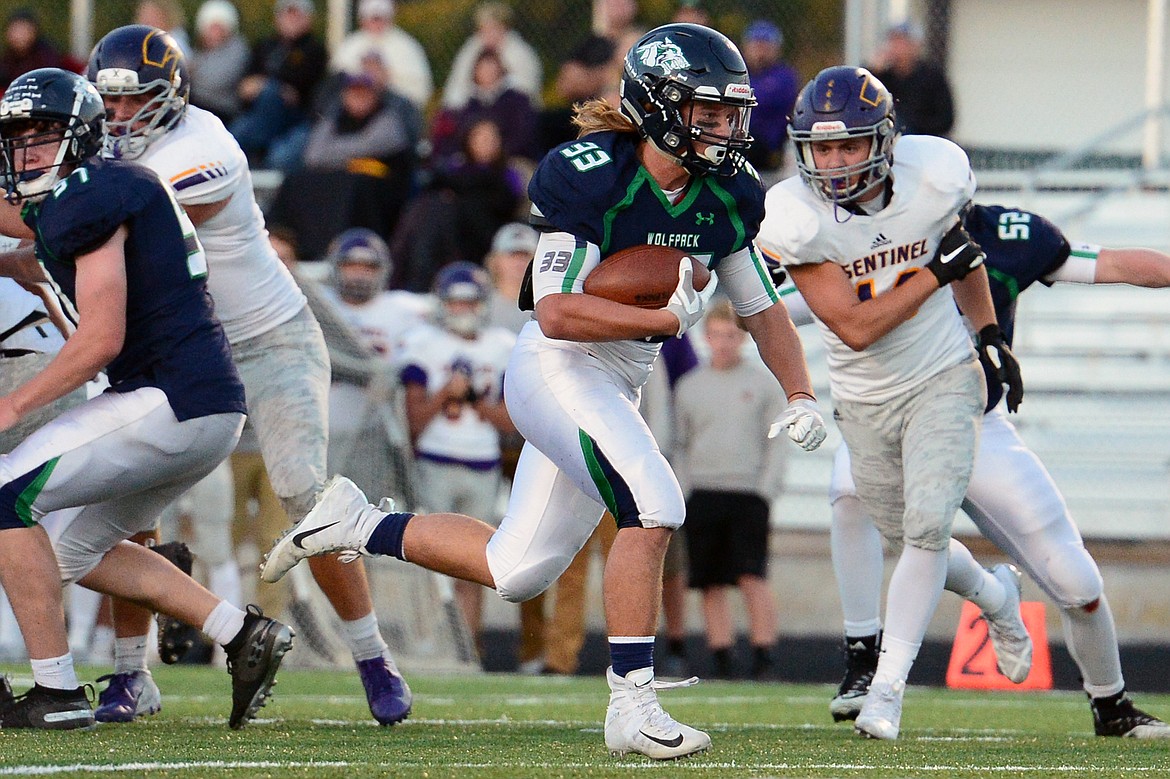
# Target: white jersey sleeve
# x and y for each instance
(745, 280)
(1080, 267)
(253, 290)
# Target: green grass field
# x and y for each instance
(504, 727)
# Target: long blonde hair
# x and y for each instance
(597, 115)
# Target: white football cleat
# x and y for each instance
(881, 714)
(1009, 637)
(342, 521)
(636, 722)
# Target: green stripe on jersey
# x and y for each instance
(762, 272)
(1013, 286)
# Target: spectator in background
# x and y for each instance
(26, 48)
(493, 30)
(491, 98)
(166, 15)
(454, 379)
(468, 199)
(594, 66)
(218, 60)
(921, 93)
(404, 57)
(362, 129)
(513, 247)
(733, 478)
(691, 12)
(277, 89)
(371, 134)
(776, 83)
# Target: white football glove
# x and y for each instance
(803, 423)
(686, 303)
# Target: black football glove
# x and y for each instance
(1003, 367)
(957, 256)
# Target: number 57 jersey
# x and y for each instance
(932, 181)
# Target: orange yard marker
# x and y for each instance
(972, 665)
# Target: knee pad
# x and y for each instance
(528, 580)
(922, 532)
(1071, 578)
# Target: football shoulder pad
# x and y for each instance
(577, 182)
(91, 203)
(790, 224)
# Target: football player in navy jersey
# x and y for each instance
(666, 169)
(124, 256)
(1011, 497)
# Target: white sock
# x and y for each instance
(857, 563)
(363, 638)
(915, 589)
(129, 654)
(1091, 639)
(223, 623)
(56, 672)
(970, 580)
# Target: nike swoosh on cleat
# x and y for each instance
(299, 537)
(672, 743)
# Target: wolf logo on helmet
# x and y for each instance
(663, 54)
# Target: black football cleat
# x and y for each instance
(43, 708)
(253, 658)
(1117, 716)
(861, 659)
(175, 638)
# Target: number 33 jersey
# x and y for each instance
(595, 198)
(932, 180)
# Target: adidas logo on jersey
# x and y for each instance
(881, 240)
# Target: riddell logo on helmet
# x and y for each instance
(836, 126)
(738, 90)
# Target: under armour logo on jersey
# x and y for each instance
(664, 54)
(705, 219)
(881, 240)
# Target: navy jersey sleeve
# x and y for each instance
(1022, 248)
(573, 185)
(87, 207)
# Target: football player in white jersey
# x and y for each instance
(359, 268)
(454, 379)
(1011, 498)
(873, 242)
(276, 343)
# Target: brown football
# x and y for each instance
(643, 276)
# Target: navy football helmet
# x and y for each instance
(666, 72)
(844, 102)
(359, 245)
(140, 60)
(53, 108)
(463, 282)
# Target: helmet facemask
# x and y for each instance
(363, 285)
(164, 106)
(832, 184)
(25, 182)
